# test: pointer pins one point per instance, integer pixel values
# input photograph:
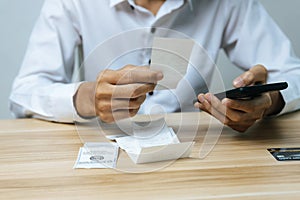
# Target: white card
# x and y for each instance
(171, 56)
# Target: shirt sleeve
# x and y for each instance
(43, 87)
(252, 37)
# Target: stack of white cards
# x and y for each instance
(157, 134)
(153, 143)
(97, 155)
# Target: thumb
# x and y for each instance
(256, 75)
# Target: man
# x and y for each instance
(243, 29)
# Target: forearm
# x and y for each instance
(84, 100)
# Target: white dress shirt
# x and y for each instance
(44, 87)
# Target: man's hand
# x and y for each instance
(242, 114)
(117, 94)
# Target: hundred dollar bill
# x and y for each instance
(97, 155)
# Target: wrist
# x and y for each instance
(278, 104)
(84, 100)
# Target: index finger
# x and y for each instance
(135, 74)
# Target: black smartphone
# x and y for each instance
(250, 92)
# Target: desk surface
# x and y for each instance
(37, 159)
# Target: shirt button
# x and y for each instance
(153, 29)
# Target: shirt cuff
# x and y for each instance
(62, 104)
(291, 97)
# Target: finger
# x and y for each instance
(104, 91)
(246, 122)
(203, 103)
(108, 91)
(216, 103)
(219, 116)
(236, 116)
(138, 75)
(241, 128)
(206, 106)
(110, 117)
(249, 106)
(244, 79)
(123, 114)
(239, 105)
(132, 90)
(230, 116)
(121, 104)
(260, 74)
(257, 74)
(131, 74)
(241, 118)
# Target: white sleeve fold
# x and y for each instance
(252, 37)
(43, 87)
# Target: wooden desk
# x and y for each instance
(37, 159)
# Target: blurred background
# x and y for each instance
(17, 19)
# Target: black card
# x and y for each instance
(285, 154)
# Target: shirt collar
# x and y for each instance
(116, 2)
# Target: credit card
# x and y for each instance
(285, 154)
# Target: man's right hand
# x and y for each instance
(117, 94)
